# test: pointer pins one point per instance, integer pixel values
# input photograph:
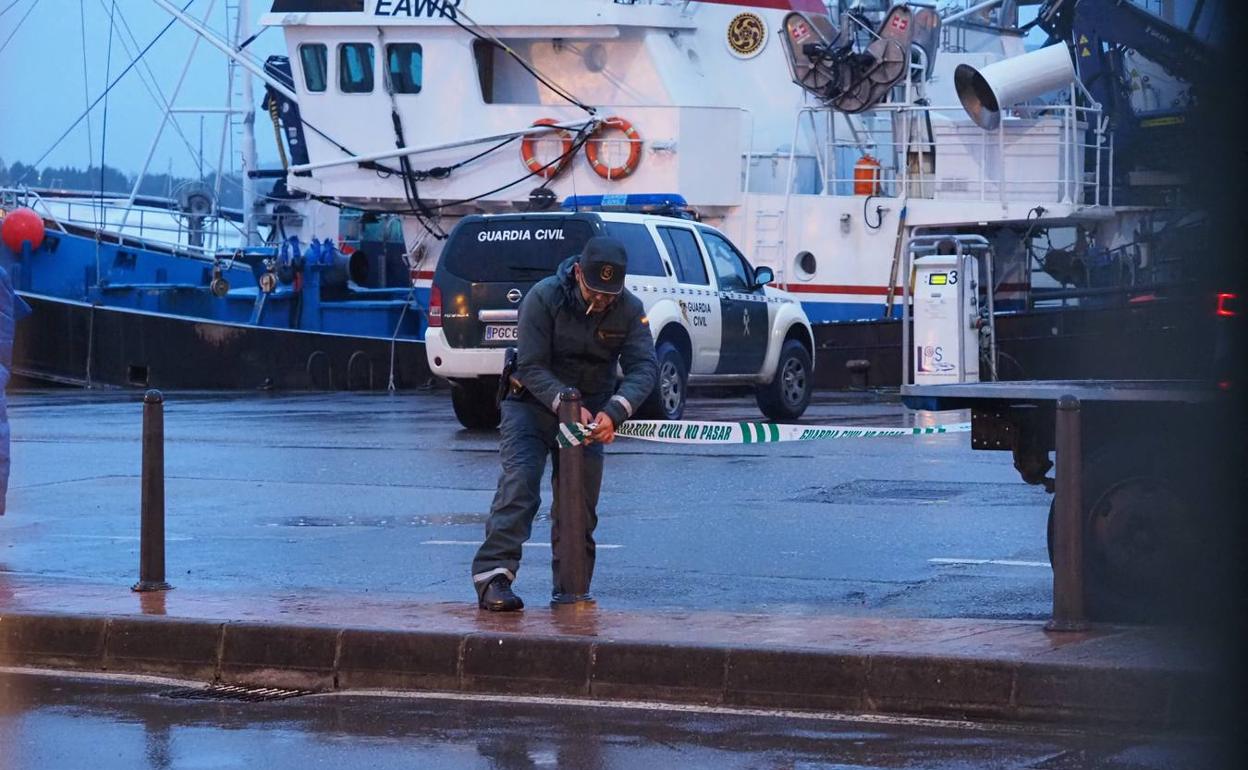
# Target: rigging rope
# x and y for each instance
(108, 65)
(453, 15)
(583, 136)
(100, 98)
(277, 134)
(19, 23)
(158, 95)
(86, 86)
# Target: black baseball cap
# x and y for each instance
(603, 265)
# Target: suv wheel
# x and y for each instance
(788, 394)
(474, 403)
(667, 401)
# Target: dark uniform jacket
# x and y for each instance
(560, 346)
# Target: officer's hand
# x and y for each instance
(605, 432)
(586, 418)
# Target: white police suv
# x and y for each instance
(714, 318)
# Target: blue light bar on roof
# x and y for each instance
(639, 202)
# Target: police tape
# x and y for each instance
(686, 432)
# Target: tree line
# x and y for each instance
(115, 181)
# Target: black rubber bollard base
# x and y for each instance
(560, 601)
(1065, 626)
(151, 585)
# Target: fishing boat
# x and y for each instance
(821, 139)
(179, 292)
(113, 310)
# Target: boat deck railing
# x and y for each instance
(1060, 154)
(1041, 153)
(123, 220)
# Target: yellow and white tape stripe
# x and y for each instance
(690, 432)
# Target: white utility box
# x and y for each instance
(946, 319)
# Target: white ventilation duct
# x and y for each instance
(986, 93)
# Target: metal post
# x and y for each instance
(567, 536)
(1068, 614)
(250, 163)
(152, 507)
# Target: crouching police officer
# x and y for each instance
(574, 328)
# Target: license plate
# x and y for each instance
(501, 332)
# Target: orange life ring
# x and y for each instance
(594, 146)
(528, 151)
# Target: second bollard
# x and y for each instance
(567, 529)
(152, 505)
(1068, 610)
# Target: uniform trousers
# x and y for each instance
(528, 431)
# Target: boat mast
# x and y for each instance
(160, 130)
(242, 33)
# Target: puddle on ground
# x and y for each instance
(891, 492)
(386, 522)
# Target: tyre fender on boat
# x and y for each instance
(528, 151)
(593, 150)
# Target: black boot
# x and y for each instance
(497, 596)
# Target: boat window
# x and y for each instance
(599, 71)
(405, 63)
(315, 58)
(355, 68)
(483, 53)
(643, 255)
(682, 247)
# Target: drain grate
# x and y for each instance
(234, 692)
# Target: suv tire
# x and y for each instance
(788, 394)
(474, 403)
(667, 400)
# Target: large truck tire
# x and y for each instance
(1144, 533)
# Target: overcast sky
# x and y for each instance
(43, 89)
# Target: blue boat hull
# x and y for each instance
(79, 344)
(133, 314)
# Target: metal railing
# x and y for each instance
(157, 226)
(958, 160)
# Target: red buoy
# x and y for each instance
(20, 226)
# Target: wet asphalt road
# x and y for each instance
(52, 722)
(366, 493)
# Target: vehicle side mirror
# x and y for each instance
(763, 276)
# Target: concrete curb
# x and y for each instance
(327, 658)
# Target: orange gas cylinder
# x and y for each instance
(867, 175)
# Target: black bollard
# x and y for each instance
(152, 506)
(567, 528)
(1068, 611)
